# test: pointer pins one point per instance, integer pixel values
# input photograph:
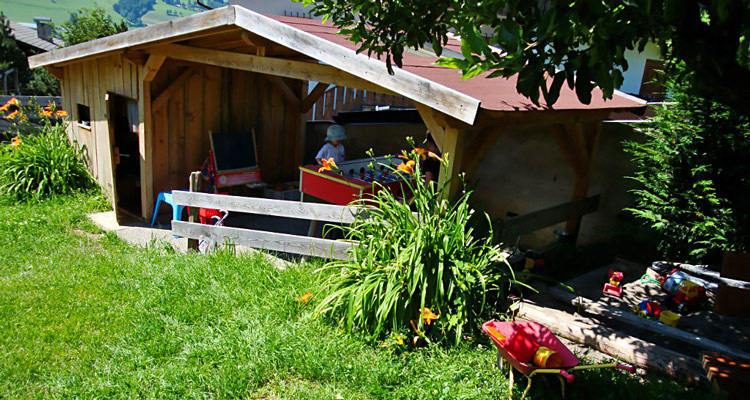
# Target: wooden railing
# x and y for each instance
(339, 98)
(282, 242)
(522, 224)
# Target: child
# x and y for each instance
(333, 148)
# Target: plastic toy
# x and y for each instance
(686, 294)
(613, 287)
(669, 318)
(648, 309)
(689, 296)
(541, 349)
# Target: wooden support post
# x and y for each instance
(436, 129)
(288, 93)
(146, 144)
(579, 142)
(479, 148)
(307, 103)
(153, 64)
(194, 213)
(162, 98)
(453, 148)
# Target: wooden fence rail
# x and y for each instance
(302, 245)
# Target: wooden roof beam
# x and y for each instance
(309, 101)
(57, 72)
(285, 89)
(162, 98)
(138, 58)
(152, 66)
(266, 65)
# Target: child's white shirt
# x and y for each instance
(328, 150)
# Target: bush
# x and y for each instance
(429, 273)
(693, 171)
(43, 164)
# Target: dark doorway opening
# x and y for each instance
(123, 123)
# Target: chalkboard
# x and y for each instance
(234, 151)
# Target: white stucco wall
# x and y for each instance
(636, 65)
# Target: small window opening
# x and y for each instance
(84, 116)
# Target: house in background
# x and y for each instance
(31, 39)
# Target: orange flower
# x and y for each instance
(61, 113)
(406, 167)
(428, 316)
(12, 102)
(304, 298)
(424, 153)
(46, 113)
(12, 115)
(328, 165)
(16, 141)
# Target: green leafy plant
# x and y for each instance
(89, 24)
(420, 265)
(44, 163)
(693, 171)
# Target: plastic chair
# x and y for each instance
(166, 197)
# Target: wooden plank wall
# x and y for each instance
(222, 100)
(87, 83)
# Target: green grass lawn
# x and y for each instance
(83, 314)
(59, 10)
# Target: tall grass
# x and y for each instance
(422, 266)
(43, 163)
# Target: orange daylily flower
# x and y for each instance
(12, 102)
(424, 153)
(12, 115)
(61, 113)
(406, 167)
(428, 316)
(46, 113)
(17, 141)
(304, 298)
(328, 165)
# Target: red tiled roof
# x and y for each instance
(495, 94)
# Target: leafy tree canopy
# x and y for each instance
(561, 38)
(10, 54)
(89, 24)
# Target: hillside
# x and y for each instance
(136, 12)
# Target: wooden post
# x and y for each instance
(453, 148)
(194, 213)
(579, 143)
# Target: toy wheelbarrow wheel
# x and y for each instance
(543, 336)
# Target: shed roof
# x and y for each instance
(24, 34)
(419, 79)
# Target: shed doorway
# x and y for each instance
(123, 125)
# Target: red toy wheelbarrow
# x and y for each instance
(532, 349)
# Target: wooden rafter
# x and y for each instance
(288, 93)
(162, 98)
(138, 58)
(307, 103)
(152, 66)
(265, 65)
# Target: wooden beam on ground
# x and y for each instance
(479, 148)
(57, 72)
(623, 347)
(605, 311)
(309, 101)
(175, 85)
(303, 245)
(138, 58)
(530, 222)
(152, 66)
(277, 208)
(307, 71)
(288, 93)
